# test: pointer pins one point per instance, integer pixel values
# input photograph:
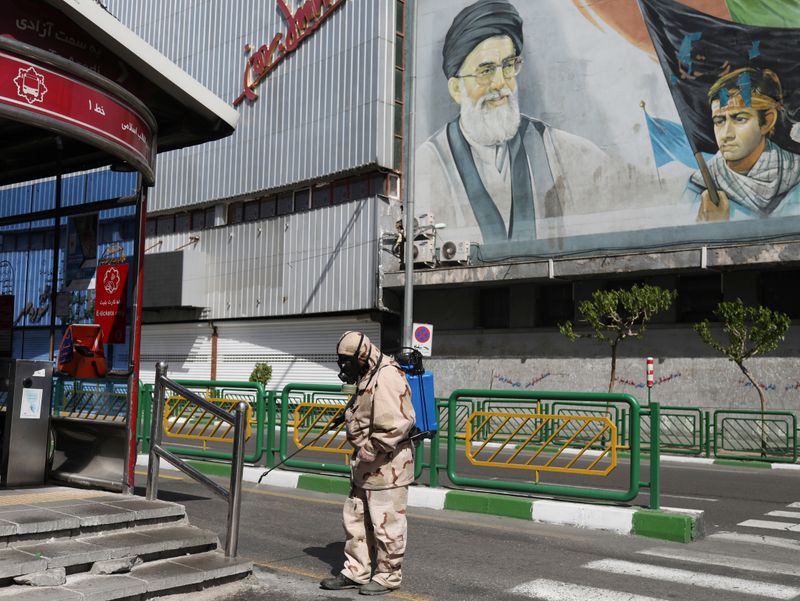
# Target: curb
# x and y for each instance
(677, 525)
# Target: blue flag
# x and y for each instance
(669, 142)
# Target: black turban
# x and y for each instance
(477, 22)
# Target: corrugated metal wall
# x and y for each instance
(326, 108)
(320, 261)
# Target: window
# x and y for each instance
(321, 197)
(285, 203)
(165, 224)
(268, 208)
(698, 296)
(182, 222)
(302, 200)
(198, 220)
(151, 227)
(359, 188)
(340, 193)
(393, 182)
(235, 213)
(494, 308)
(399, 74)
(251, 211)
(780, 290)
(554, 305)
(211, 219)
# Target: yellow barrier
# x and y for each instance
(310, 419)
(190, 421)
(95, 405)
(542, 443)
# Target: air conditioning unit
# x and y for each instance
(424, 253)
(454, 251)
(424, 225)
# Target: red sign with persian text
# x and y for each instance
(29, 86)
(110, 305)
(300, 24)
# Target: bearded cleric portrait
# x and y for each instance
(493, 174)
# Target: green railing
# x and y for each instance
(572, 420)
(526, 398)
(764, 436)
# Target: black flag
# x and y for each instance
(696, 49)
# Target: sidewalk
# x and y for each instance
(673, 524)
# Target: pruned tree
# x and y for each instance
(262, 372)
(751, 331)
(615, 315)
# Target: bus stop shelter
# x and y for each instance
(79, 91)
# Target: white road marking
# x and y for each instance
(770, 541)
(770, 525)
(689, 497)
(701, 579)
(751, 565)
(792, 515)
(795, 505)
(553, 590)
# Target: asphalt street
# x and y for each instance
(294, 537)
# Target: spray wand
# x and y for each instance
(349, 389)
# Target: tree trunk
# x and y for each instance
(763, 402)
(612, 379)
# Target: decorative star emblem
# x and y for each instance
(111, 280)
(30, 85)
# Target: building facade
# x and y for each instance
(265, 246)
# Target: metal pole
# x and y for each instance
(136, 334)
(235, 497)
(655, 455)
(56, 248)
(155, 431)
(408, 196)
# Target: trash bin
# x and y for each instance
(27, 388)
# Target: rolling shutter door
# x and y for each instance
(186, 347)
(299, 350)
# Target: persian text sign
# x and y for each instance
(110, 304)
(299, 25)
(31, 87)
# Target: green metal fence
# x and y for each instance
(765, 436)
(557, 425)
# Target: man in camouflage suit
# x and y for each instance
(378, 422)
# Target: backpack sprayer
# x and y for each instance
(422, 398)
(348, 389)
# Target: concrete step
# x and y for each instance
(21, 523)
(77, 554)
(156, 578)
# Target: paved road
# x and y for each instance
(750, 553)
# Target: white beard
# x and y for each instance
(489, 126)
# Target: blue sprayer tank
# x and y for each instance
(421, 384)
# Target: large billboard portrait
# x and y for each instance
(558, 125)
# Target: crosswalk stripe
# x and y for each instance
(751, 565)
(785, 514)
(701, 579)
(553, 590)
(795, 505)
(771, 541)
(771, 525)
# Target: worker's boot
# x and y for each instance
(338, 583)
(374, 588)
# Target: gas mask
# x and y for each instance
(349, 369)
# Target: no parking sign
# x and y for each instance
(422, 338)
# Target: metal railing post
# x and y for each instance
(655, 455)
(157, 417)
(235, 498)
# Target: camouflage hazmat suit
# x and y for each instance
(382, 466)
